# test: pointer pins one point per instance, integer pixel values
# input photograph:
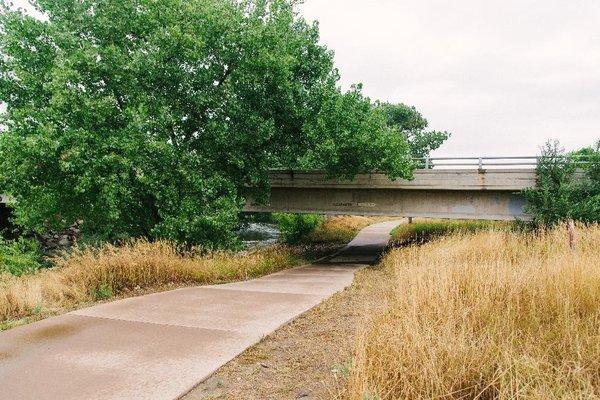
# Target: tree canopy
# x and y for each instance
(157, 118)
(409, 122)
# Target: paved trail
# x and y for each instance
(161, 345)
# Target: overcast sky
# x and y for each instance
(502, 75)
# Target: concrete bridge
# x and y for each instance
(476, 189)
(454, 188)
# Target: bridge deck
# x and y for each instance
(448, 193)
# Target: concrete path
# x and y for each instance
(161, 345)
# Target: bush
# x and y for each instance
(294, 227)
(20, 256)
(568, 186)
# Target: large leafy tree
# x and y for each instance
(157, 118)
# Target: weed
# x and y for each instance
(343, 369)
(103, 292)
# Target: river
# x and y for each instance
(258, 234)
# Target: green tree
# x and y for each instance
(347, 137)
(568, 186)
(156, 118)
(409, 122)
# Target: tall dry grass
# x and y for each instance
(88, 275)
(486, 315)
(424, 230)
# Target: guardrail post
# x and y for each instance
(427, 161)
(480, 163)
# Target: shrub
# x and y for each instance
(294, 227)
(568, 186)
(20, 256)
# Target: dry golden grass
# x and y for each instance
(424, 230)
(93, 274)
(341, 229)
(486, 315)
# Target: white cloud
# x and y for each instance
(502, 75)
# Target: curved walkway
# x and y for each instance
(161, 345)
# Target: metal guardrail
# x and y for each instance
(482, 163)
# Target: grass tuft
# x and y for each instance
(423, 231)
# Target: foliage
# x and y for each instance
(294, 227)
(156, 119)
(20, 256)
(348, 138)
(568, 186)
(409, 122)
(103, 292)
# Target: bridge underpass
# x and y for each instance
(490, 194)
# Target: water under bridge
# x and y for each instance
(454, 188)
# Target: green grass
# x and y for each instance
(423, 231)
(20, 257)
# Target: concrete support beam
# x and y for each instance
(453, 194)
(490, 205)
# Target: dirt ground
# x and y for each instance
(307, 359)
